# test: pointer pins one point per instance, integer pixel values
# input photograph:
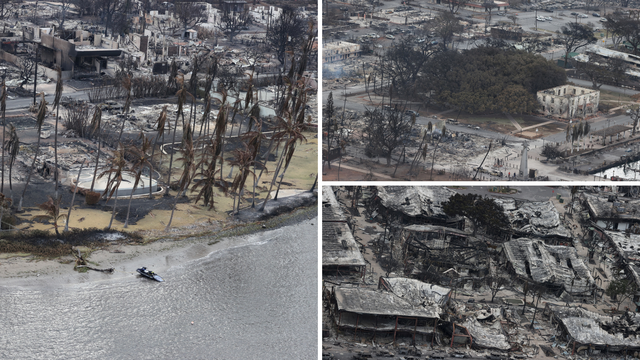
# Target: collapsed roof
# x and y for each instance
(378, 302)
(537, 218)
(601, 208)
(416, 292)
(491, 337)
(339, 248)
(415, 200)
(438, 229)
(586, 327)
(548, 264)
(627, 245)
(331, 210)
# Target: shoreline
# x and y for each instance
(158, 255)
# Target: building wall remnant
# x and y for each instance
(339, 51)
(569, 102)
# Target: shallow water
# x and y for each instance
(254, 301)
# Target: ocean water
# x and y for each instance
(255, 301)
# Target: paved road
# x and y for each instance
(21, 103)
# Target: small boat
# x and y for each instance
(149, 274)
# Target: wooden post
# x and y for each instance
(453, 333)
(395, 331)
(435, 322)
(357, 322)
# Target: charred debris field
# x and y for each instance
(480, 272)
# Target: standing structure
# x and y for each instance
(523, 162)
(569, 102)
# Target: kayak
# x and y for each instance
(149, 274)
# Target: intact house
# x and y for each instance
(569, 102)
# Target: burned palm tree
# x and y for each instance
(237, 107)
(182, 98)
(294, 137)
(208, 84)
(42, 112)
(95, 127)
(56, 105)
(188, 168)
(52, 212)
(73, 198)
(244, 160)
(3, 109)
(290, 133)
(12, 146)
(160, 126)
(253, 140)
(115, 171)
(220, 131)
(141, 160)
(172, 84)
(291, 112)
(207, 174)
(126, 84)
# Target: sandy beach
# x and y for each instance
(158, 251)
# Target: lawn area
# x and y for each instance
(606, 95)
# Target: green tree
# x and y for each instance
(575, 36)
(487, 79)
(386, 130)
(482, 211)
(620, 290)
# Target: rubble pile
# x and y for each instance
(538, 218)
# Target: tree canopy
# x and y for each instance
(488, 79)
(482, 211)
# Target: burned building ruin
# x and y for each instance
(558, 268)
(341, 255)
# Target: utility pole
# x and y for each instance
(35, 76)
(536, 19)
